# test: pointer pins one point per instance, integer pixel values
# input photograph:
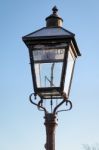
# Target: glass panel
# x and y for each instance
(46, 55)
(69, 72)
(48, 74)
(48, 65)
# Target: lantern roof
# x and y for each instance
(53, 30)
(46, 33)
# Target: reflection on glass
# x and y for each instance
(48, 74)
(69, 72)
(46, 55)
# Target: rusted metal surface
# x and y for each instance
(50, 124)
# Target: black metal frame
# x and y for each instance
(58, 89)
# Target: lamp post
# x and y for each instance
(53, 51)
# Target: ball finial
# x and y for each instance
(55, 10)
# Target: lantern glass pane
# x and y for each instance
(48, 65)
(69, 72)
(48, 74)
(46, 55)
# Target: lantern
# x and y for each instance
(53, 51)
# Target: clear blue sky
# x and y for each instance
(21, 124)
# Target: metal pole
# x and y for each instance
(50, 124)
(51, 120)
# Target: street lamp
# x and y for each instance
(53, 51)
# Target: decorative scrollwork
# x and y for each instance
(70, 106)
(55, 110)
(39, 106)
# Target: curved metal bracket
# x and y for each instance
(40, 107)
(67, 102)
(64, 100)
(70, 103)
(58, 106)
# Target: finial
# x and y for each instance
(54, 20)
(54, 9)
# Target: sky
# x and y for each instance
(21, 124)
